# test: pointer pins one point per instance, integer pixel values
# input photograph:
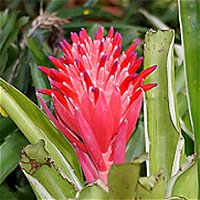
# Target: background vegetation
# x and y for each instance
(31, 31)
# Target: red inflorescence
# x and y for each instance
(97, 97)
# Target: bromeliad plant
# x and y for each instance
(97, 97)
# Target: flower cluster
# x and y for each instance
(97, 96)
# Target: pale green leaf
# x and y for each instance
(152, 187)
(37, 163)
(122, 180)
(93, 192)
(35, 125)
(161, 115)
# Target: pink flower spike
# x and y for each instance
(99, 34)
(132, 47)
(59, 125)
(57, 62)
(97, 98)
(87, 165)
(111, 32)
(149, 86)
(91, 142)
(45, 91)
(120, 147)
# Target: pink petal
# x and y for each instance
(116, 107)
(45, 91)
(99, 34)
(132, 47)
(62, 113)
(103, 122)
(74, 38)
(133, 114)
(87, 165)
(117, 40)
(120, 145)
(87, 108)
(63, 130)
(83, 35)
(90, 140)
(57, 62)
(111, 32)
(138, 80)
(135, 65)
(149, 86)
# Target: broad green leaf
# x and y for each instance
(3, 18)
(6, 193)
(16, 28)
(152, 187)
(39, 190)
(6, 127)
(10, 153)
(37, 162)
(93, 192)
(55, 5)
(20, 76)
(161, 116)
(9, 33)
(189, 19)
(35, 125)
(6, 31)
(3, 61)
(39, 80)
(122, 180)
(187, 173)
(190, 176)
(39, 56)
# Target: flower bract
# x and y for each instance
(97, 97)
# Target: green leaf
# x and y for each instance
(187, 173)
(35, 125)
(190, 176)
(6, 127)
(10, 153)
(7, 30)
(3, 18)
(55, 5)
(161, 115)
(154, 20)
(152, 187)
(122, 180)
(189, 18)
(39, 190)
(39, 80)
(93, 192)
(39, 56)
(16, 28)
(6, 192)
(37, 163)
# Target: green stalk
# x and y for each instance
(189, 18)
(161, 116)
